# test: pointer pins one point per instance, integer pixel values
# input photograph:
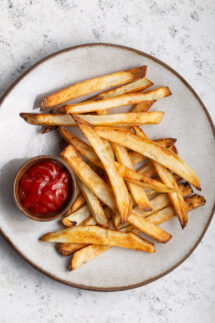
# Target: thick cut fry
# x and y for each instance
(89, 177)
(89, 221)
(137, 192)
(148, 170)
(88, 253)
(167, 177)
(67, 249)
(98, 235)
(79, 201)
(122, 196)
(141, 179)
(143, 106)
(175, 197)
(94, 205)
(135, 86)
(151, 150)
(168, 213)
(148, 228)
(122, 100)
(93, 85)
(165, 142)
(120, 119)
(76, 217)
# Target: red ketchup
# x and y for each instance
(44, 188)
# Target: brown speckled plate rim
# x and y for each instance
(111, 289)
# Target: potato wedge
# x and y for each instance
(94, 205)
(98, 235)
(137, 192)
(151, 150)
(122, 100)
(85, 173)
(93, 85)
(123, 199)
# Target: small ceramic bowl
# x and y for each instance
(66, 205)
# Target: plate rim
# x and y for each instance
(120, 288)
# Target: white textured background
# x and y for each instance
(181, 33)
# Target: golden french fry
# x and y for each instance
(76, 217)
(88, 253)
(122, 100)
(119, 188)
(98, 235)
(120, 119)
(137, 158)
(93, 85)
(151, 150)
(89, 221)
(85, 173)
(143, 106)
(149, 228)
(167, 177)
(141, 179)
(67, 249)
(78, 202)
(137, 192)
(94, 205)
(148, 170)
(168, 213)
(135, 86)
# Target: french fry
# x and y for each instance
(168, 213)
(137, 192)
(135, 86)
(122, 196)
(89, 221)
(167, 177)
(93, 85)
(98, 235)
(141, 179)
(80, 200)
(148, 170)
(94, 205)
(76, 217)
(165, 142)
(85, 173)
(88, 253)
(143, 106)
(149, 228)
(120, 119)
(122, 100)
(67, 249)
(85, 255)
(151, 150)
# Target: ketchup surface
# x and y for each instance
(44, 188)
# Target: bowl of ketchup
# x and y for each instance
(44, 188)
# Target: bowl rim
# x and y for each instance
(145, 282)
(22, 170)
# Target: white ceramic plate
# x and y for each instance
(185, 118)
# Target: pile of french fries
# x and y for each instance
(127, 183)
